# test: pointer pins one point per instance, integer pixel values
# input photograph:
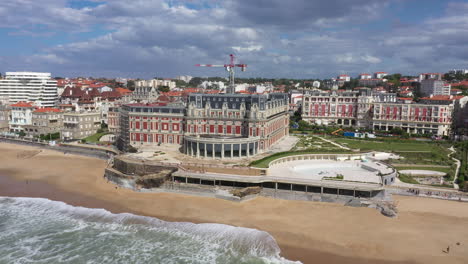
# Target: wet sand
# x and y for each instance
(311, 232)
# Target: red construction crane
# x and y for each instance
(229, 68)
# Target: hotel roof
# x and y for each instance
(23, 104)
(47, 110)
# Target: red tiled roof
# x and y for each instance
(111, 95)
(148, 104)
(123, 91)
(23, 104)
(47, 110)
(164, 98)
(462, 83)
(172, 93)
(405, 98)
(443, 97)
(72, 92)
(212, 92)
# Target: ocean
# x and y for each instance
(36, 230)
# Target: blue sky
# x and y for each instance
(296, 38)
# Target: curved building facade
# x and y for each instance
(206, 146)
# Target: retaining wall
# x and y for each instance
(68, 148)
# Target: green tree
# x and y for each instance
(163, 88)
(131, 85)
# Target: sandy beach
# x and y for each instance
(311, 232)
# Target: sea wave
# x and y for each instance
(39, 230)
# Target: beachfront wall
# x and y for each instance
(273, 186)
(77, 149)
(387, 177)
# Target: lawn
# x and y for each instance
(446, 170)
(388, 145)
(95, 138)
(414, 152)
(408, 179)
(314, 143)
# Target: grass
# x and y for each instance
(445, 170)
(263, 163)
(408, 179)
(95, 138)
(414, 152)
(388, 145)
(313, 143)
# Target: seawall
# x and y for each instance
(89, 151)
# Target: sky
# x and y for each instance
(275, 38)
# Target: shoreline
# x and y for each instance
(311, 232)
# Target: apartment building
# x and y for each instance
(21, 115)
(434, 87)
(4, 117)
(78, 125)
(45, 121)
(363, 109)
(36, 87)
(155, 83)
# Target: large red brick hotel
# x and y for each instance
(208, 125)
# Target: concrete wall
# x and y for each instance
(245, 171)
(139, 168)
(99, 153)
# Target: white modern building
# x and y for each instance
(37, 87)
(344, 77)
(459, 71)
(365, 76)
(185, 78)
(380, 75)
(21, 115)
(434, 87)
(155, 83)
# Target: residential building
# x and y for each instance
(185, 78)
(210, 125)
(381, 111)
(113, 120)
(364, 76)
(155, 83)
(434, 87)
(35, 87)
(370, 82)
(430, 76)
(459, 71)
(45, 121)
(144, 94)
(426, 117)
(21, 115)
(344, 78)
(78, 125)
(380, 75)
(4, 117)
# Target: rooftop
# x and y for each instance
(23, 104)
(47, 110)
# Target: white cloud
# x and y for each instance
(282, 39)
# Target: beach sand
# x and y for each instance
(311, 232)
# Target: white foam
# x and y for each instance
(213, 237)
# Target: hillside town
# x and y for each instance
(250, 122)
(38, 105)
